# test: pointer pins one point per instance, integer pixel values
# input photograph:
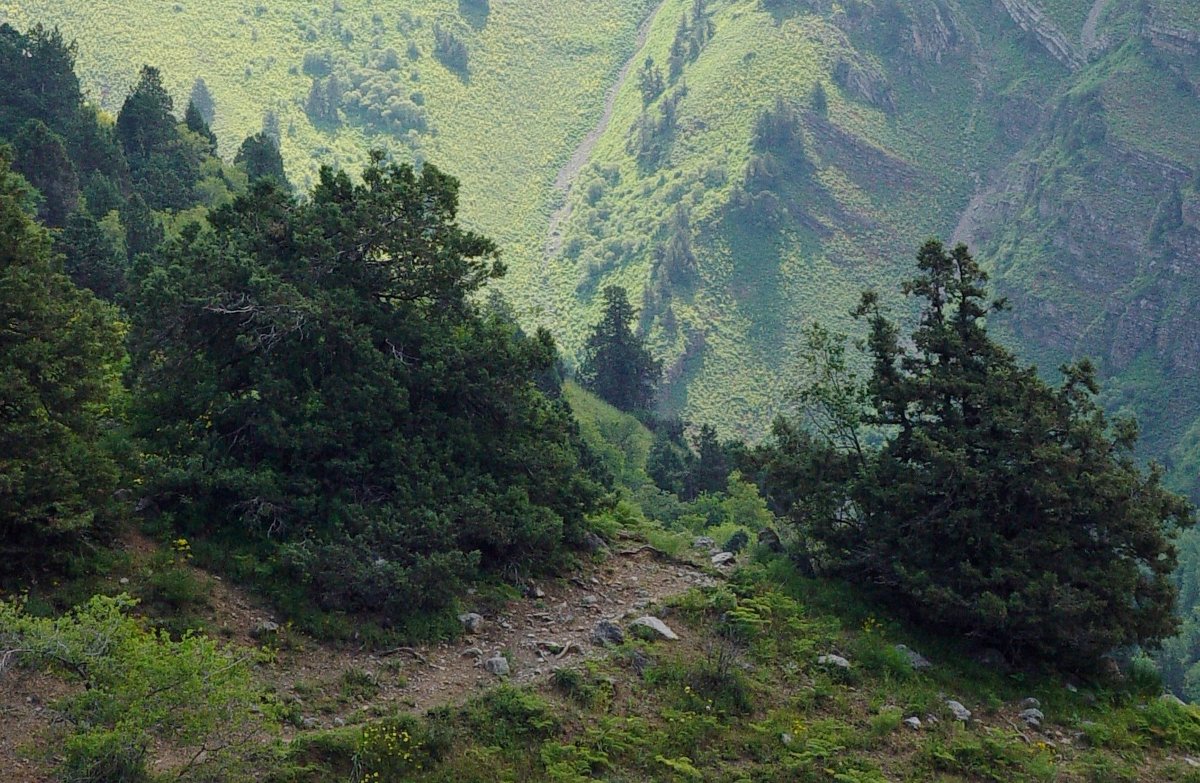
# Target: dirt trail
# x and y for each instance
(526, 632)
(569, 172)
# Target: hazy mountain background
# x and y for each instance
(1058, 139)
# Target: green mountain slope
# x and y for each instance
(961, 117)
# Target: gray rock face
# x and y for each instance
(653, 628)
(721, 558)
(913, 722)
(594, 543)
(471, 622)
(1173, 699)
(703, 542)
(915, 659)
(1032, 716)
(960, 712)
(607, 633)
(833, 660)
(497, 665)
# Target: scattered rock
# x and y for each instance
(1032, 716)
(652, 628)
(497, 665)
(1030, 703)
(703, 542)
(833, 660)
(913, 722)
(1171, 698)
(123, 580)
(786, 738)
(265, 628)
(1110, 668)
(915, 659)
(339, 722)
(640, 662)
(607, 633)
(768, 538)
(533, 591)
(594, 543)
(472, 652)
(721, 558)
(309, 723)
(471, 622)
(961, 713)
(589, 600)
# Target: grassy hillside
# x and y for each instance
(535, 81)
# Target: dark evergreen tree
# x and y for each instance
(818, 100)
(41, 157)
(202, 99)
(164, 168)
(650, 81)
(710, 473)
(616, 364)
(143, 231)
(90, 257)
(316, 380)
(60, 350)
(193, 118)
(260, 158)
(999, 507)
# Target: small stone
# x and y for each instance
(961, 713)
(703, 542)
(913, 722)
(123, 580)
(721, 558)
(1032, 717)
(589, 600)
(833, 660)
(264, 629)
(339, 721)
(471, 622)
(309, 723)
(640, 662)
(497, 665)
(594, 543)
(472, 652)
(915, 659)
(652, 627)
(1030, 703)
(607, 633)
(786, 738)
(1191, 762)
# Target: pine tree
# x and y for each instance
(616, 364)
(193, 118)
(999, 507)
(202, 99)
(59, 354)
(259, 156)
(41, 157)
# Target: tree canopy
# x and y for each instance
(997, 505)
(60, 351)
(316, 376)
(616, 363)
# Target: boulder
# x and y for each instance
(721, 558)
(1030, 703)
(1171, 698)
(1032, 716)
(594, 543)
(652, 628)
(833, 660)
(471, 622)
(913, 722)
(767, 537)
(960, 712)
(607, 633)
(497, 665)
(264, 629)
(915, 659)
(703, 542)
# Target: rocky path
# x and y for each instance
(550, 629)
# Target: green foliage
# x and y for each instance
(259, 156)
(616, 365)
(139, 686)
(314, 380)
(997, 506)
(61, 355)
